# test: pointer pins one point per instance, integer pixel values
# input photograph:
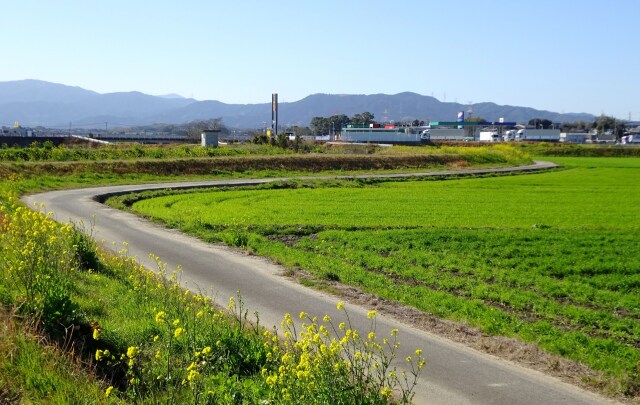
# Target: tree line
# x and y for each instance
(602, 124)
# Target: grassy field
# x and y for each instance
(550, 258)
(55, 292)
(79, 325)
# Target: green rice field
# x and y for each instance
(550, 258)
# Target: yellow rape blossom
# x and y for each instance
(133, 351)
(161, 316)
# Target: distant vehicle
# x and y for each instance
(442, 134)
(490, 136)
(509, 135)
(630, 140)
(544, 135)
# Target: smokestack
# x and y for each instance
(274, 113)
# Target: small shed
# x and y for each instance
(209, 137)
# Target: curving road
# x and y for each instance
(454, 373)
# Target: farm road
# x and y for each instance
(454, 373)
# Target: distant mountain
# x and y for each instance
(39, 103)
(29, 91)
(171, 95)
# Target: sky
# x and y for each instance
(557, 55)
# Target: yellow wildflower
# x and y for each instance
(133, 351)
(160, 316)
(192, 375)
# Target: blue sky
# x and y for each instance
(562, 55)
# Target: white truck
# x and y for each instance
(543, 135)
(490, 136)
(443, 134)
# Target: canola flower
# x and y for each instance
(313, 357)
(37, 259)
(161, 316)
(133, 351)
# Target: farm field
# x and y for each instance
(136, 337)
(550, 258)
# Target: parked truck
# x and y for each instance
(442, 134)
(490, 136)
(543, 135)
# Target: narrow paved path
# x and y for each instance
(454, 373)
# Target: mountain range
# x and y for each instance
(38, 103)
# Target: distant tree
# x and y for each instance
(320, 126)
(338, 121)
(365, 118)
(577, 126)
(298, 130)
(605, 123)
(328, 125)
(541, 123)
(195, 128)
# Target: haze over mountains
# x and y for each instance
(38, 103)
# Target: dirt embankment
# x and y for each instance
(203, 166)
